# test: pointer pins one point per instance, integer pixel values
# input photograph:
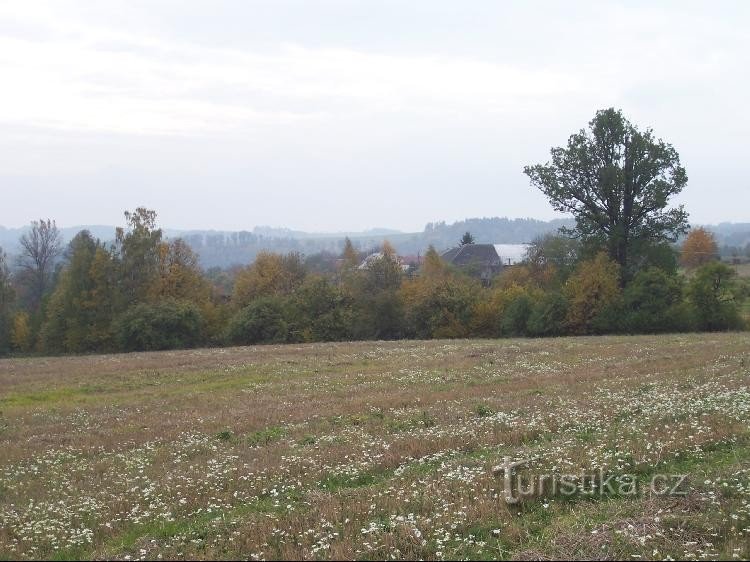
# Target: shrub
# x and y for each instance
(484, 411)
(712, 293)
(593, 287)
(487, 314)
(652, 303)
(439, 307)
(262, 321)
(547, 317)
(516, 316)
(169, 324)
(319, 312)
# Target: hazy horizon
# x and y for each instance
(337, 117)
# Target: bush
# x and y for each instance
(262, 321)
(516, 316)
(548, 316)
(712, 292)
(439, 308)
(653, 303)
(592, 291)
(169, 324)
(488, 313)
(319, 312)
(610, 319)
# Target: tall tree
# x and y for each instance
(616, 181)
(699, 248)
(39, 249)
(713, 293)
(269, 275)
(139, 245)
(593, 286)
(350, 256)
(7, 297)
(179, 275)
(83, 304)
(433, 265)
(378, 310)
(467, 238)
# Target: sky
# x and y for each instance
(345, 115)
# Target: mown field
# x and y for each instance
(377, 450)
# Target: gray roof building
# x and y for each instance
(480, 260)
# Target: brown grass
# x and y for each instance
(373, 449)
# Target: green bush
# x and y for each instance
(261, 321)
(653, 302)
(516, 316)
(548, 316)
(713, 294)
(439, 308)
(319, 312)
(169, 324)
(611, 318)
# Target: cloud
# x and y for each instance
(93, 78)
(327, 103)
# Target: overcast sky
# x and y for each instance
(335, 115)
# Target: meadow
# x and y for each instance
(378, 450)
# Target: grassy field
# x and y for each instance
(378, 450)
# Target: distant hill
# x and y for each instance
(226, 248)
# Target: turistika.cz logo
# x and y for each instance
(518, 485)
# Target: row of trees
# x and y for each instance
(145, 293)
(91, 301)
(564, 287)
(615, 272)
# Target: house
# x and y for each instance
(379, 256)
(511, 254)
(478, 260)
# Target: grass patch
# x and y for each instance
(266, 436)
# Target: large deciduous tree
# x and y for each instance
(40, 247)
(616, 181)
(138, 246)
(7, 296)
(85, 300)
(269, 275)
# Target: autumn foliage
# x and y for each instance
(698, 249)
(145, 292)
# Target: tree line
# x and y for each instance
(617, 270)
(146, 293)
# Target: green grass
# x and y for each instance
(266, 436)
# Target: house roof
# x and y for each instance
(471, 254)
(512, 253)
(369, 260)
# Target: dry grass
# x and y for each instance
(376, 450)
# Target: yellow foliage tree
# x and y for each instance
(179, 276)
(699, 248)
(519, 275)
(488, 311)
(270, 275)
(438, 302)
(594, 285)
(20, 336)
(349, 256)
(433, 265)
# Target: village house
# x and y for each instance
(478, 260)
